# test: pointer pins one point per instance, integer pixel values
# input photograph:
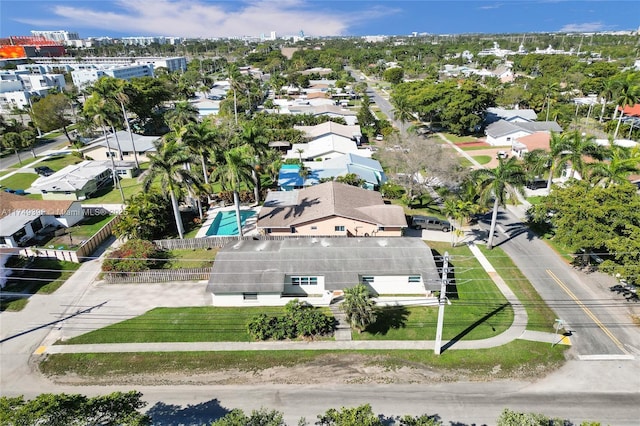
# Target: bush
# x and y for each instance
(132, 256)
(300, 320)
(391, 190)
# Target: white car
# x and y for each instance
(379, 137)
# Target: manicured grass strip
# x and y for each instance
(188, 258)
(19, 181)
(195, 324)
(541, 317)
(518, 358)
(59, 162)
(482, 159)
(459, 139)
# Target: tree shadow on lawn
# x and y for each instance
(387, 318)
(474, 325)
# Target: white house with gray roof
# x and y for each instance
(104, 148)
(271, 273)
(504, 133)
(74, 182)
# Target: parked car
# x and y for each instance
(379, 137)
(536, 184)
(430, 222)
(44, 170)
(501, 154)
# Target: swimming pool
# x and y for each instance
(225, 222)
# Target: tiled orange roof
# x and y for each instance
(537, 140)
(632, 110)
(10, 203)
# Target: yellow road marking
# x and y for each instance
(587, 311)
(40, 350)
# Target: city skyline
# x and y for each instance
(210, 19)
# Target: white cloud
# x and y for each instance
(198, 18)
(583, 28)
(491, 6)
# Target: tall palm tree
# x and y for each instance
(255, 142)
(538, 161)
(627, 93)
(402, 111)
(183, 113)
(359, 307)
(201, 138)
(235, 172)
(504, 182)
(606, 94)
(168, 166)
(123, 99)
(551, 88)
(619, 164)
(575, 147)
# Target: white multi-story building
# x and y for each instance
(84, 77)
(17, 87)
(175, 63)
(60, 35)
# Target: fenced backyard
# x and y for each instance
(158, 276)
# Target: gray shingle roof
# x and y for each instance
(261, 266)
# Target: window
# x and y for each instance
(304, 280)
(313, 228)
(125, 153)
(367, 280)
(110, 154)
(250, 296)
(380, 228)
(339, 228)
(414, 278)
(293, 229)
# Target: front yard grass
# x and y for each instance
(458, 139)
(482, 159)
(59, 162)
(478, 309)
(194, 324)
(42, 276)
(19, 181)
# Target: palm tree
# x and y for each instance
(252, 137)
(505, 181)
(184, 113)
(606, 94)
(538, 161)
(402, 111)
(235, 172)
(575, 147)
(168, 166)
(551, 88)
(628, 93)
(201, 138)
(620, 163)
(122, 98)
(359, 307)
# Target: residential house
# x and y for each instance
(23, 220)
(325, 147)
(367, 169)
(528, 143)
(275, 272)
(350, 117)
(74, 182)
(104, 149)
(511, 115)
(330, 127)
(330, 208)
(504, 133)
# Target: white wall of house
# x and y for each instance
(506, 140)
(69, 218)
(396, 284)
(266, 299)
(306, 286)
(100, 153)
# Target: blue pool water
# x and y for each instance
(225, 222)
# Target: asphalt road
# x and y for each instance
(597, 319)
(12, 159)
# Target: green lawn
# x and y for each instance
(42, 276)
(482, 159)
(59, 162)
(188, 258)
(111, 195)
(195, 324)
(19, 181)
(457, 139)
(478, 310)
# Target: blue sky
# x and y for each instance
(209, 18)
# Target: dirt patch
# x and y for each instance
(474, 144)
(328, 369)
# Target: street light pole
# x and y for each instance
(441, 302)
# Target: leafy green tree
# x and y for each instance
(504, 182)
(596, 218)
(146, 94)
(118, 408)
(402, 111)
(513, 418)
(351, 179)
(366, 119)
(29, 140)
(262, 417)
(393, 75)
(168, 165)
(423, 420)
(627, 89)
(232, 174)
(181, 115)
(357, 416)
(15, 142)
(359, 307)
(49, 113)
(145, 217)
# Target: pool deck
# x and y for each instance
(249, 228)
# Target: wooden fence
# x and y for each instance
(81, 253)
(221, 241)
(158, 276)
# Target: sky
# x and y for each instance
(231, 18)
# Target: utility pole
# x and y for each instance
(441, 302)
